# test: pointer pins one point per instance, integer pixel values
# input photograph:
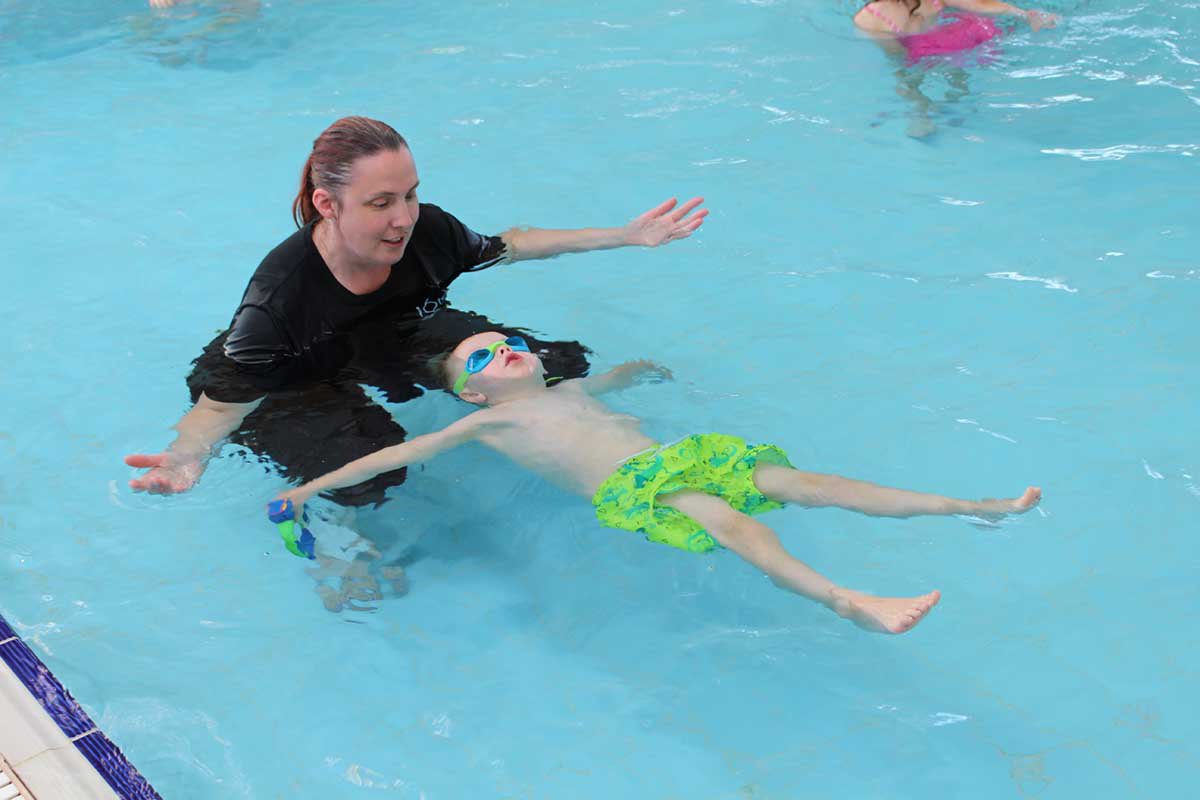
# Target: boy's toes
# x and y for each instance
(1031, 497)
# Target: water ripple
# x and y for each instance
(1120, 151)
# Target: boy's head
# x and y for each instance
(489, 367)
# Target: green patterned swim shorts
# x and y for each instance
(713, 463)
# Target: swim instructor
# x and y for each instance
(357, 295)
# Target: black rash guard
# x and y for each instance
(293, 325)
(300, 338)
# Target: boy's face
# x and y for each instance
(507, 369)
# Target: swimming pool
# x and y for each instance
(1010, 301)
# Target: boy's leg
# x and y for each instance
(815, 490)
(759, 545)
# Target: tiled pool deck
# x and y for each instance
(50, 743)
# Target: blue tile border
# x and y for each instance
(70, 717)
(110, 762)
(61, 707)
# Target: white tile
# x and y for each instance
(63, 774)
(25, 727)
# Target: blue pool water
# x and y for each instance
(1010, 301)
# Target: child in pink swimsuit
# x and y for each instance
(913, 24)
(911, 29)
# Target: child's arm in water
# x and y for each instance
(1036, 19)
(625, 375)
(418, 449)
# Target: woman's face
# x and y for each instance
(376, 212)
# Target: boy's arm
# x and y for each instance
(625, 375)
(419, 448)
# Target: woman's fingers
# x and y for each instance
(167, 475)
(146, 460)
(683, 210)
(658, 210)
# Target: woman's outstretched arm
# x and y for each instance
(662, 224)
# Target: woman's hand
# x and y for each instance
(177, 468)
(170, 472)
(661, 224)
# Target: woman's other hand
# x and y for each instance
(665, 223)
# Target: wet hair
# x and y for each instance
(440, 365)
(332, 158)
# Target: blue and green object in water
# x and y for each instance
(283, 514)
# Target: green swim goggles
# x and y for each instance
(479, 359)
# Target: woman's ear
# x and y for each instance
(325, 203)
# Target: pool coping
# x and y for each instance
(41, 722)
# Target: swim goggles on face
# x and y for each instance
(479, 359)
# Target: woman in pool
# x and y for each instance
(917, 29)
(353, 297)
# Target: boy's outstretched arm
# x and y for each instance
(415, 450)
(625, 375)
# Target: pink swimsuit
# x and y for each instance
(961, 33)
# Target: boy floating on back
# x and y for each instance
(696, 494)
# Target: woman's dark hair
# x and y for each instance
(333, 155)
(909, 4)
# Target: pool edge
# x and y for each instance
(47, 720)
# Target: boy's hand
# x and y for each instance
(288, 516)
(625, 375)
(650, 371)
(294, 499)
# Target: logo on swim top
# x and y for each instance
(432, 305)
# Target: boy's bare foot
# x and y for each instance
(331, 598)
(994, 509)
(882, 614)
(921, 127)
(355, 583)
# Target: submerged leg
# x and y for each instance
(959, 88)
(758, 544)
(815, 490)
(908, 86)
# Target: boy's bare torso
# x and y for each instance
(563, 434)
